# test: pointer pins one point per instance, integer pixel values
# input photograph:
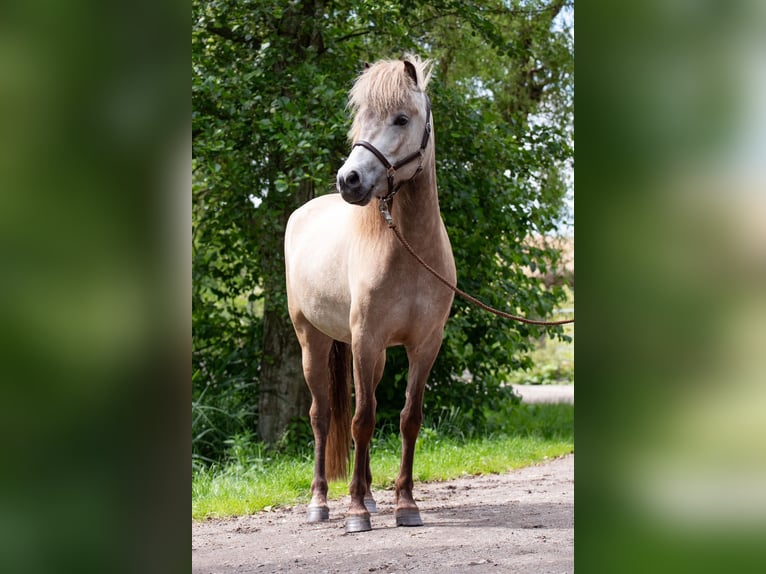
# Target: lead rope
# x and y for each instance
(383, 206)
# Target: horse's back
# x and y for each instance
(316, 265)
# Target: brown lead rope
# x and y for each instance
(454, 288)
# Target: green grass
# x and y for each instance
(257, 479)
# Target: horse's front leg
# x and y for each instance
(315, 352)
(420, 362)
(369, 499)
(367, 373)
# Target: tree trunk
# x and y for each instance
(283, 394)
(283, 391)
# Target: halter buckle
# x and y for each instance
(383, 207)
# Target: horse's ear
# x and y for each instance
(409, 67)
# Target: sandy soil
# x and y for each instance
(521, 522)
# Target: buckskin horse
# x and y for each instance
(353, 291)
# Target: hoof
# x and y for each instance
(356, 523)
(318, 513)
(408, 517)
(370, 505)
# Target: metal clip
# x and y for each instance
(383, 207)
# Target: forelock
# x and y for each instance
(385, 86)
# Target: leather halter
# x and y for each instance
(391, 168)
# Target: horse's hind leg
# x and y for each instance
(315, 353)
(421, 360)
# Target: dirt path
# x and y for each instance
(545, 393)
(521, 522)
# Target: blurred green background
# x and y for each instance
(94, 286)
(671, 197)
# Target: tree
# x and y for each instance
(269, 86)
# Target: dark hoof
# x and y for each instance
(408, 517)
(318, 513)
(356, 523)
(370, 505)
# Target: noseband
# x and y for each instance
(391, 168)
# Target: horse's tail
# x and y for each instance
(339, 436)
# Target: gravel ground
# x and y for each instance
(521, 522)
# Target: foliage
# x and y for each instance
(269, 86)
(553, 359)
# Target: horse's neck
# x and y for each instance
(415, 209)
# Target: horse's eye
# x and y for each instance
(401, 120)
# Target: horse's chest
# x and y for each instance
(329, 310)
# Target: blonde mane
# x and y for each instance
(384, 86)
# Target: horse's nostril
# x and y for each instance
(352, 179)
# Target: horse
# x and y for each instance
(353, 291)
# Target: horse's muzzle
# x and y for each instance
(352, 190)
